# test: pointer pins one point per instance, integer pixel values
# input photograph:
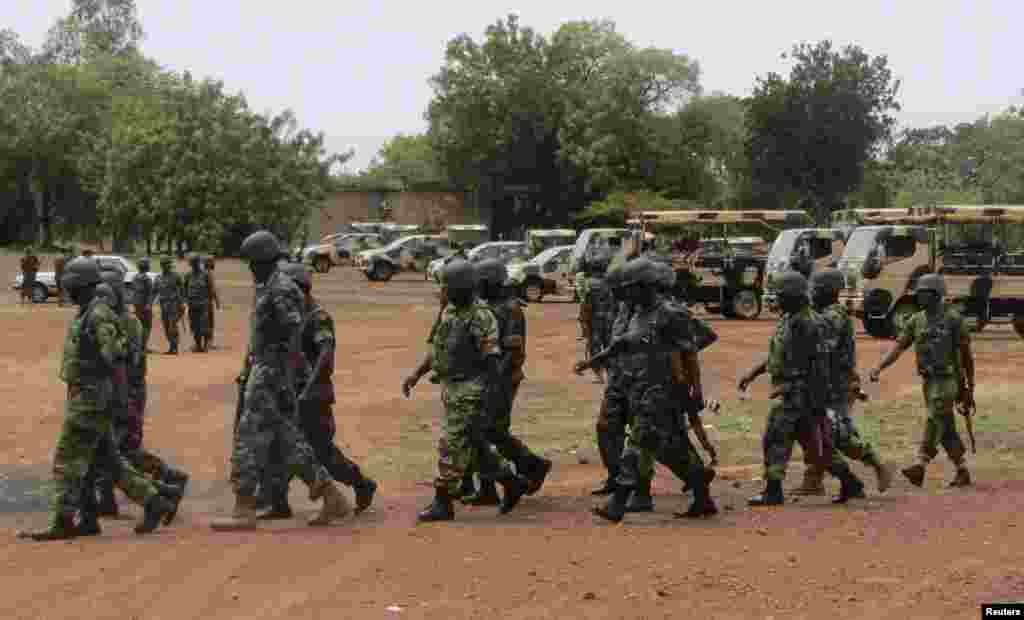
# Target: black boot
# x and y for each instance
(107, 506)
(608, 487)
(641, 499)
(486, 496)
(850, 487)
(279, 506)
(365, 489)
(441, 509)
(772, 495)
(173, 494)
(702, 505)
(89, 519)
(615, 509)
(537, 474)
(174, 477)
(514, 487)
(156, 508)
(468, 487)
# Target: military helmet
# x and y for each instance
(261, 247)
(79, 273)
(460, 275)
(640, 271)
(299, 273)
(115, 280)
(792, 284)
(107, 292)
(931, 282)
(492, 271)
(828, 281)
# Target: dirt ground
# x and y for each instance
(910, 553)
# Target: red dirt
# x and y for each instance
(908, 554)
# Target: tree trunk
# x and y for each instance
(41, 235)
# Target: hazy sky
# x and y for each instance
(358, 70)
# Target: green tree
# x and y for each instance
(814, 132)
(409, 160)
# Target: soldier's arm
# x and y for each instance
(324, 341)
(966, 358)
(906, 339)
(513, 345)
(108, 337)
(213, 290)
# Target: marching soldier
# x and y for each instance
(945, 363)
(200, 295)
(210, 265)
(144, 292)
(169, 295)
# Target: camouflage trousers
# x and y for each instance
(128, 430)
(316, 418)
(611, 425)
(657, 433)
(499, 432)
(86, 444)
(940, 426)
(145, 316)
(788, 420)
(599, 336)
(463, 445)
(199, 320)
(169, 318)
(269, 414)
(845, 438)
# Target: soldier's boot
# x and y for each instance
(641, 499)
(702, 505)
(244, 516)
(884, 475)
(89, 518)
(365, 489)
(609, 485)
(107, 506)
(537, 474)
(772, 495)
(173, 350)
(441, 509)
(814, 482)
(173, 493)
(850, 487)
(513, 487)
(486, 496)
(467, 487)
(62, 527)
(615, 509)
(154, 511)
(963, 477)
(335, 506)
(279, 506)
(915, 474)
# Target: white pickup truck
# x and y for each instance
(46, 281)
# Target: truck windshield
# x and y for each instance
(860, 243)
(782, 249)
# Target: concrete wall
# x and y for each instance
(431, 209)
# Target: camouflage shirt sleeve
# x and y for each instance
(108, 336)
(677, 329)
(287, 303)
(323, 329)
(485, 329)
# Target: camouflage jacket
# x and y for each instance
(274, 326)
(317, 335)
(465, 337)
(168, 289)
(144, 289)
(511, 335)
(936, 342)
(91, 348)
(841, 344)
(134, 355)
(663, 329)
(795, 360)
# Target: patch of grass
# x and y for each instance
(734, 424)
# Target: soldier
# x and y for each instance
(169, 296)
(144, 291)
(946, 365)
(656, 330)
(508, 311)
(844, 385)
(598, 301)
(29, 269)
(199, 296)
(268, 411)
(316, 406)
(59, 265)
(91, 350)
(209, 264)
(466, 360)
(795, 365)
(128, 412)
(458, 253)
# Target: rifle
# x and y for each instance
(966, 407)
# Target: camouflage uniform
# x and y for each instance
(210, 266)
(612, 423)
(168, 291)
(199, 293)
(937, 347)
(601, 302)
(269, 411)
(144, 291)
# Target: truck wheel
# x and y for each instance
(382, 272)
(746, 304)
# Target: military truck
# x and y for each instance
(542, 239)
(412, 253)
(724, 279)
(805, 250)
(978, 249)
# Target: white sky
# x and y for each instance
(358, 70)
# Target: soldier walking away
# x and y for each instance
(844, 386)
(946, 365)
(316, 407)
(143, 293)
(91, 350)
(59, 264)
(268, 411)
(29, 269)
(502, 394)
(595, 307)
(656, 330)
(169, 295)
(199, 295)
(210, 265)
(800, 378)
(466, 360)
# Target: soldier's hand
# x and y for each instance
(580, 367)
(407, 385)
(874, 374)
(714, 460)
(744, 383)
